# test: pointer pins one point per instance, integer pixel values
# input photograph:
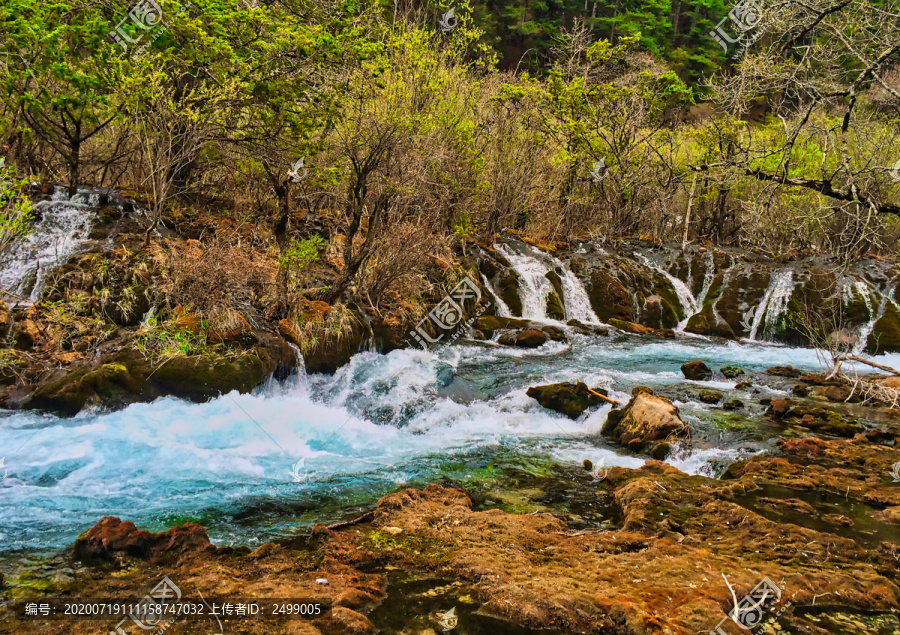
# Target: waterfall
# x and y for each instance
(576, 300)
(535, 287)
(774, 301)
(502, 308)
(708, 278)
(866, 329)
(689, 304)
(61, 232)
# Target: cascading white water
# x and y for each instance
(689, 304)
(61, 231)
(773, 302)
(501, 306)
(866, 329)
(532, 271)
(726, 279)
(576, 300)
(534, 287)
(708, 278)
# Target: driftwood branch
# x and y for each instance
(604, 397)
(857, 358)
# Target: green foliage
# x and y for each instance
(15, 207)
(163, 341)
(299, 255)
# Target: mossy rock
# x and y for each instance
(69, 394)
(609, 297)
(744, 290)
(885, 336)
(705, 322)
(566, 398)
(731, 371)
(487, 324)
(671, 312)
(556, 307)
(509, 291)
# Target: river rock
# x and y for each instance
(530, 338)
(731, 371)
(646, 419)
(785, 371)
(566, 398)
(111, 539)
(127, 377)
(709, 396)
(585, 329)
(696, 370)
(638, 329)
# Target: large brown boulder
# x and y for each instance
(531, 338)
(567, 398)
(696, 370)
(646, 420)
(112, 539)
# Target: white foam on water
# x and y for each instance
(534, 286)
(61, 232)
(502, 309)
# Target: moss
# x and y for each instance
(509, 292)
(609, 297)
(885, 336)
(671, 312)
(555, 308)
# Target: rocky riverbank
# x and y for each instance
(100, 323)
(629, 551)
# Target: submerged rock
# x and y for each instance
(638, 329)
(645, 419)
(709, 396)
(731, 371)
(566, 398)
(785, 371)
(696, 370)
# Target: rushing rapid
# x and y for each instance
(310, 449)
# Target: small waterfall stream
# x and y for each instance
(689, 304)
(773, 302)
(866, 329)
(502, 308)
(532, 271)
(61, 232)
(534, 286)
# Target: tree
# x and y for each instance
(818, 79)
(61, 70)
